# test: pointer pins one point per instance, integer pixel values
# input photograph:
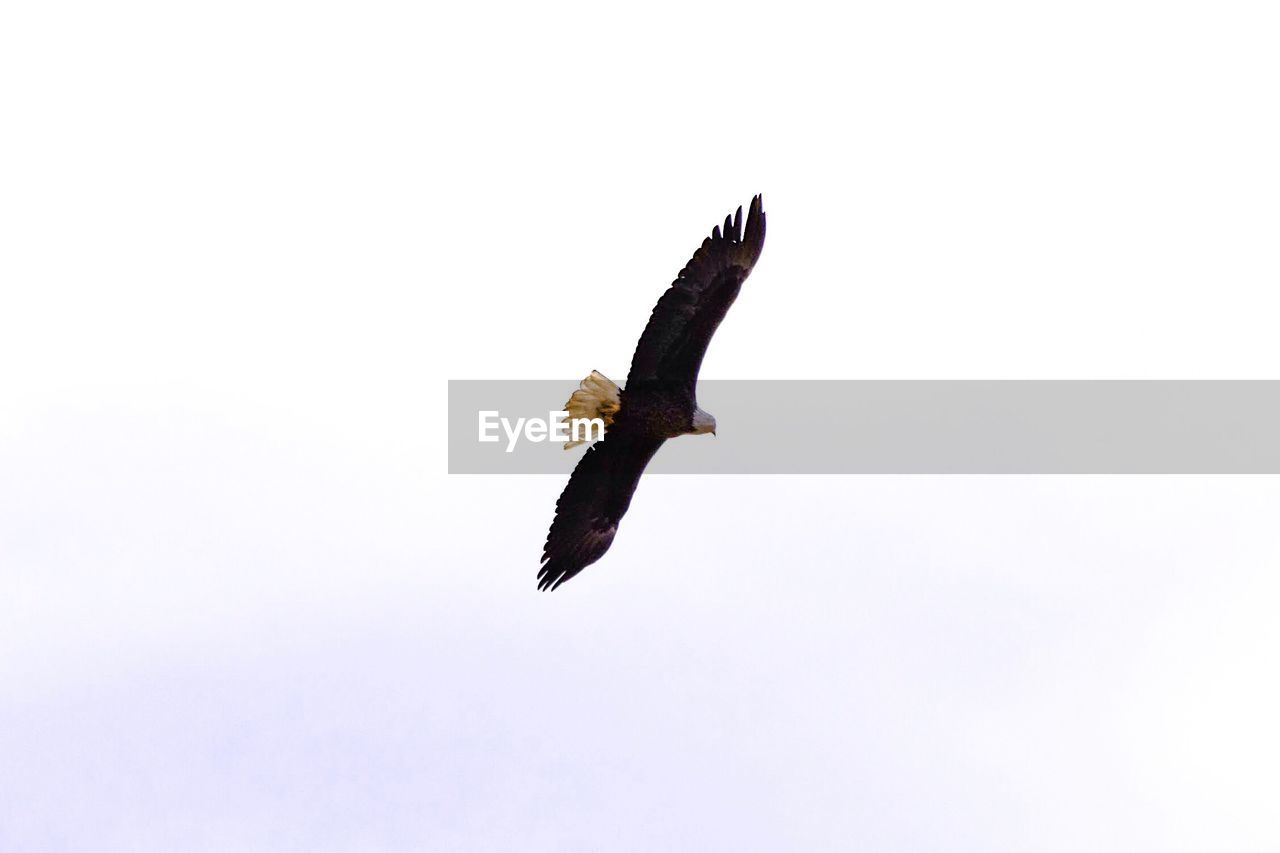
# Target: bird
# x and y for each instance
(659, 401)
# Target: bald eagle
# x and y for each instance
(658, 403)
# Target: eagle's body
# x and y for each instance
(659, 401)
(661, 409)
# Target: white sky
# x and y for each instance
(245, 609)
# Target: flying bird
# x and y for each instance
(659, 401)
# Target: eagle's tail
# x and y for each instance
(596, 398)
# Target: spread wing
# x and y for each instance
(673, 344)
(593, 503)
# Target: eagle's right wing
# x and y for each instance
(593, 503)
(672, 345)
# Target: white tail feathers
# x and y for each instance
(596, 397)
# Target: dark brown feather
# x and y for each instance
(593, 502)
(658, 401)
(673, 344)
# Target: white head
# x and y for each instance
(703, 422)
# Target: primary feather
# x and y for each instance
(689, 312)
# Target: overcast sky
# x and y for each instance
(245, 608)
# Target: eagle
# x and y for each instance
(659, 401)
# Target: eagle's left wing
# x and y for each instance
(593, 503)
